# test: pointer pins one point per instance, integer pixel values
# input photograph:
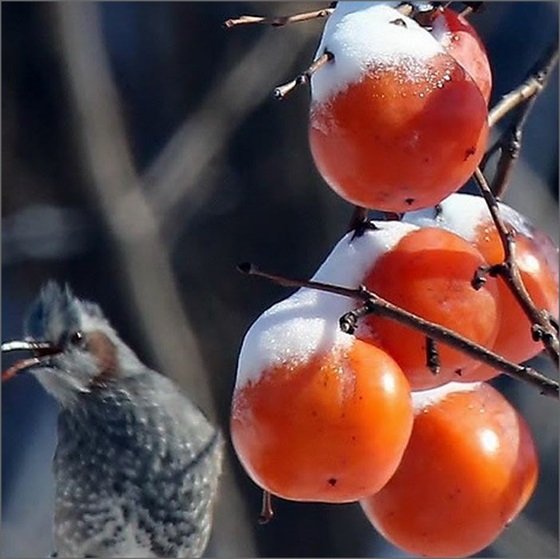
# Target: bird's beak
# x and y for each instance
(41, 351)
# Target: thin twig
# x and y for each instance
(533, 84)
(405, 8)
(510, 147)
(472, 8)
(278, 21)
(509, 271)
(374, 304)
(521, 99)
(282, 90)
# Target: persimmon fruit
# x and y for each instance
(468, 470)
(537, 259)
(396, 123)
(317, 415)
(429, 273)
(462, 42)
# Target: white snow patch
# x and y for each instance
(351, 259)
(423, 399)
(459, 213)
(463, 213)
(360, 35)
(295, 329)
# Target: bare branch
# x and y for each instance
(405, 8)
(374, 304)
(279, 21)
(509, 271)
(281, 91)
(533, 84)
(509, 143)
(510, 147)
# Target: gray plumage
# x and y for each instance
(137, 464)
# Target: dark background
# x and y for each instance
(178, 166)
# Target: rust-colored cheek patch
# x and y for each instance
(104, 351)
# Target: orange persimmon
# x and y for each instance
(461, 41)
(468, 470)
(396, 123)
(317, 415)
(429, 273)
(537, 259)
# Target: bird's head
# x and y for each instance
(73, 348)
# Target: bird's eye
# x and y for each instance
(74, 339)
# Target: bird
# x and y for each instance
(137, 463)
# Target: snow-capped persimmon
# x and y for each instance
(429, 272)
(460, 40)
(396, 123)
(536, 257)
(317, 415)
(468, 470)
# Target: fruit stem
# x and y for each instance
(266, 513)
(358, 219)
(374, 304)
(433, 361)
(471, 8)
(509, 271)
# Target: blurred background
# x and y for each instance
(143, 157)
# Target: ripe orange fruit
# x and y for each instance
(317, 415)
(461, 41)
(396, 123)
(429, 273)
(536, 257)
(469, 469)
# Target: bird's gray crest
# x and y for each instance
(55, 311)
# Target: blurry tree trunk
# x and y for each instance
(147, 276)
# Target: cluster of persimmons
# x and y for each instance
(439, 460)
